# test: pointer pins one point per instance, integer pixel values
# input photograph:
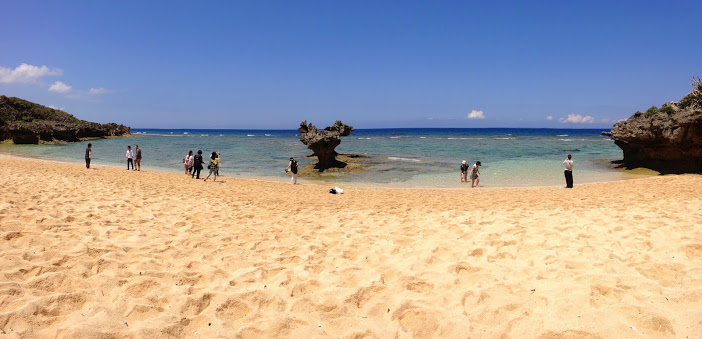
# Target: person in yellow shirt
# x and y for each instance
(213, 166)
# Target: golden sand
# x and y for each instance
(113, 253)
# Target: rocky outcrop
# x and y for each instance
(323, 143)
(668, 140)
(25, 122)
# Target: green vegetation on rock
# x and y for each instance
(694, 99)
(16, 109)
(26, 122)
(668, 140)
(651, 111)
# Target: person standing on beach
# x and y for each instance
(213, 166)
(475, 175)
(219, 163)
(88, 155)
(130, 157)
(188, 162)
(137, 159)
(464, 172)
(197, 164)
(292, 166)
(568, 163)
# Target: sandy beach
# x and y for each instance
(110, 253)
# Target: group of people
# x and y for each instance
(194, 164)
(134, 158)
(475, 172)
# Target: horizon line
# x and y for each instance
(374, 128)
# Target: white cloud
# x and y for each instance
(605, 120)
(577, 119)
(550, 117)
(60, 87)
(25, 73)
(476, 115)
(99, 90)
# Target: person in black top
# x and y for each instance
(464, 172)
(137, 157)
(292, 166)
(197, 164)
(88, 155)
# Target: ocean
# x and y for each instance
(415, 157)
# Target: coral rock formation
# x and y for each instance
(668, 140)
(323, 142)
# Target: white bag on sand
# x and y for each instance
(336, 190)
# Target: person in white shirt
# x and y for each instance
(568, 163)
(475, 174)
(188, 162)
(130, 157)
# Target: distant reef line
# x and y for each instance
(25, 122)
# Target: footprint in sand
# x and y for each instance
(140, 289)
(195, 306)
(416, 285)
(364, 294)
(693, 251)
(667, 275)
(232, 310)
(419, 322)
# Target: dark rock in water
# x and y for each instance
(668, 140)
(323, 143)
(25, 122)
(605, 133)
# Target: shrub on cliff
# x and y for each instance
(651, 111)
(694, 99)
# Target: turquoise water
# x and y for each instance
(396, 157)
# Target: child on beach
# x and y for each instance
(212, 166)
(474, 175)
(130, 157)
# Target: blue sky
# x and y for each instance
(372, 64)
